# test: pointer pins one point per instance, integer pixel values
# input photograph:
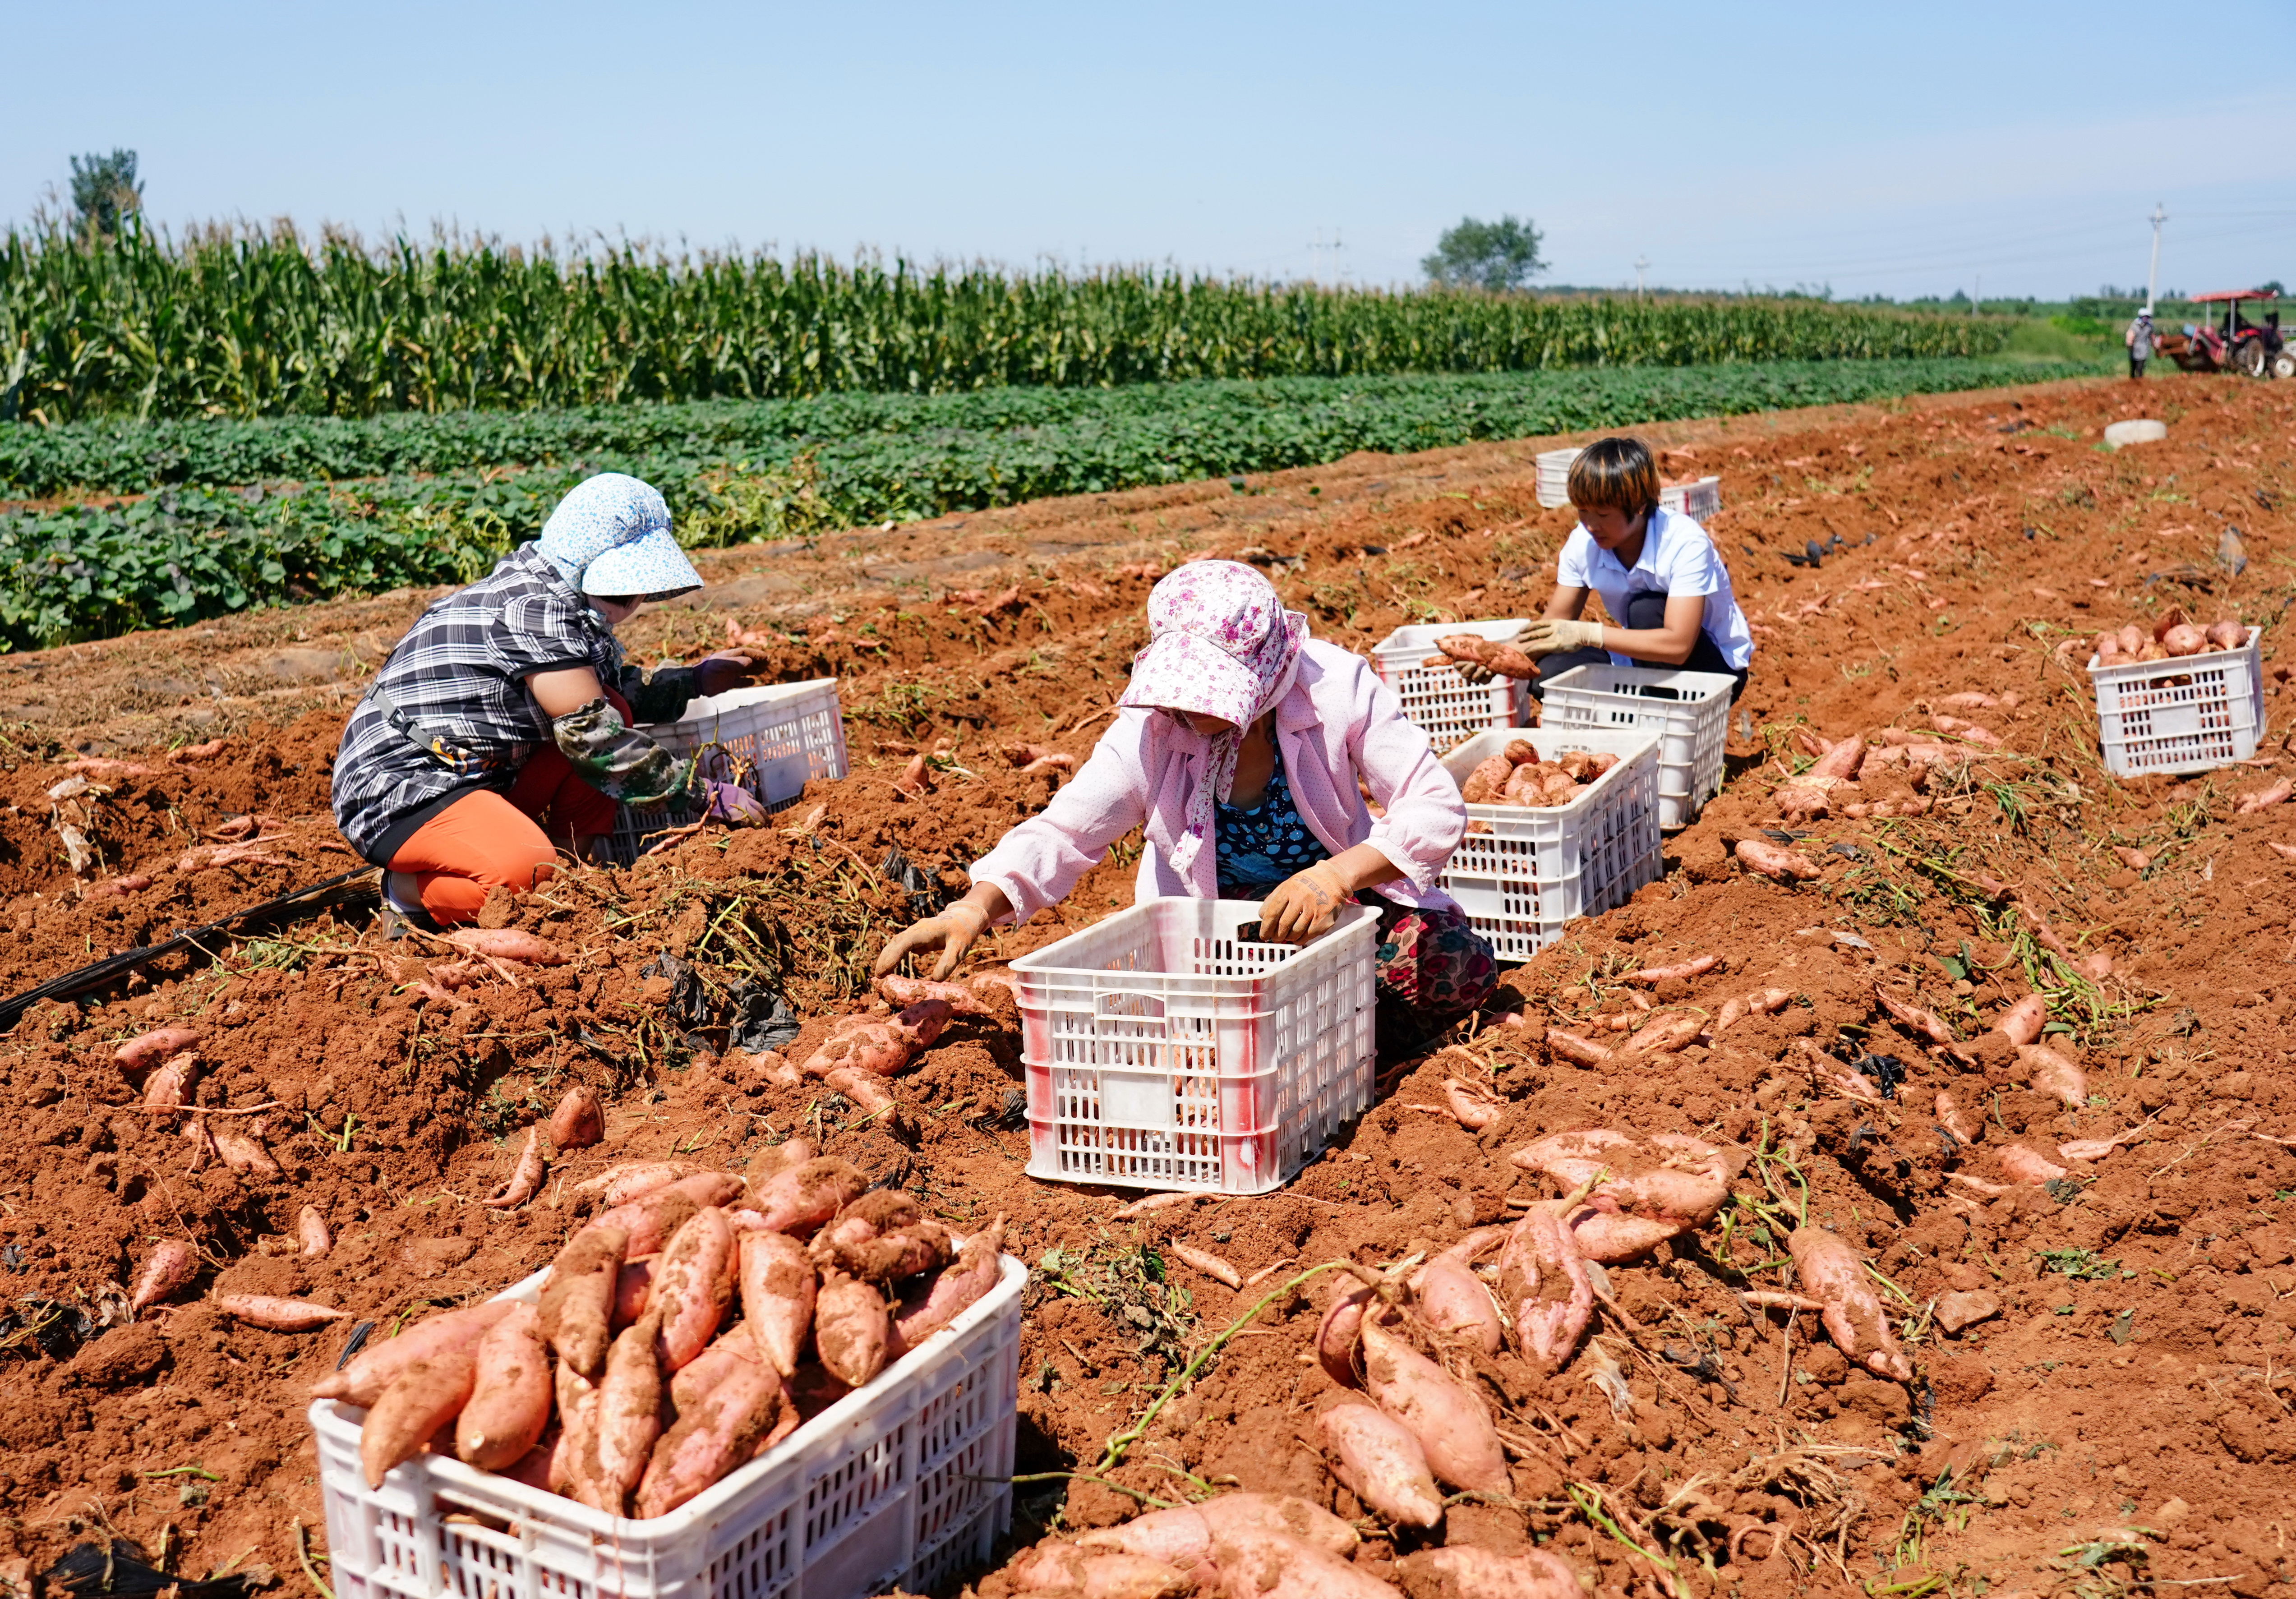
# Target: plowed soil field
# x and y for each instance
(2101, 1363)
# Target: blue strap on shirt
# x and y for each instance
(1264, 846)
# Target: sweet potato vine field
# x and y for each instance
(1951, 1097)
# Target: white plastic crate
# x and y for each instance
(1690, 712)
(904, 1484)
(789, 732)
(1440, 703)
(1554, 481)
(2186, 714)
(1535, 870)
(1698, 499)
(1163, 1051)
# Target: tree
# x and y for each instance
(102, 188)
(2271, 286)
(1494, 256)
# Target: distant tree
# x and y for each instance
(103, 188)
(1485, 255)
(2271, 286)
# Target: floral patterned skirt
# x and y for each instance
(1434, 969)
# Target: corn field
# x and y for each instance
(248, 322)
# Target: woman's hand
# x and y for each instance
(1551, 636)
(726, 670)
(732, 803)
(952, 933)
(1305, 905)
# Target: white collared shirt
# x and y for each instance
(1678, 560)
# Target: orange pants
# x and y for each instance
(485, 840)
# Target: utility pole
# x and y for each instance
(1642, 265)
(2152, 273)
(1979, 297)
(1338, 246)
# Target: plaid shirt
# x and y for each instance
(450, 710)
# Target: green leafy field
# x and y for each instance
(230, 515)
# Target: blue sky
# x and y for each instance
(1891, 149)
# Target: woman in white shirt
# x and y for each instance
(1662, 582)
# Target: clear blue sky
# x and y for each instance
(1893, 149)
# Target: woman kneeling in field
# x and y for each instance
(1238, 746)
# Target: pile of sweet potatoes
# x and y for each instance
(2174, 634)
(1517, 775)
(691, 1324)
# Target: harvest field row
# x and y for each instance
(441, 496)
(252, 325)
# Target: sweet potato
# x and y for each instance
(507, 944)
(312, 1238)
(579, 1119)
(508, 1405)
(2022, 1021)
(1769, 860)
(1377, 1459)
(578, 1421)
(800, 1198)
(1954, 1120)
(1451, 1298)
(242, 1150)
(1697, 966)
(652, 1217)
(2050, 1072)
(864, 1089)
(902, 992)
(1667, 1176)
(2132, 639)
(1487, 783)
(619, 1185)
(1666, 1035)
(1255, 1562)
(632, 1288)
(777, 1288)
(168, 1266)
(882, 1236)
(885, 1047)
(731, 1349)
(146, 1050)
(1542, 1281)
(1443, 1413)
(2184, 639)
(943, 1297)
(1613, 1238)
(2023, 1165)
(1842, 761)
(578, 1298)
(525, 1178)
(1578, 1050)
(1474, 1106)
(277, 1315)
(693, 1284)
(723, 1430)
(1518, 751)
(1339, 1333)
(1469, 1572)
(2226, 635)
(1093, 1573)
(852, 1328)
(628, 1417)
(1183, 1536)
(1832, 1272)
(1927, 1023)
(422, 1400)
(2264, 798)
(368, 1375)
(1203, 1261)
(171, 1081)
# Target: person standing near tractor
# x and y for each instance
(2139, 340)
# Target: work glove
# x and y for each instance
(1303, 906)
(952, 931)
(1550, 636)
(726, 669)
(732, 802)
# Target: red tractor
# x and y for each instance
(2231, 343)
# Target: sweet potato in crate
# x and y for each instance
(1690, 712)
(901, 1484)
(1165, 1049)
(780, 735)
(2186, 714)
(1440, 703)
(1522, 874)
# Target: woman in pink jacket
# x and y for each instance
(1239, 747)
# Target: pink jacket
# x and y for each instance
(1338, 720)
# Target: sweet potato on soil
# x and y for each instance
(525, 1178)
(168, 1086)
(2024, 1165)
(1093, 1573)
(864, 1089)
(1443, 1413)
(1183, 1536)
(1451, 1298)
(508, 1405)
(2050, 1072)
(2022, 1021)
(727, 1427)
(1613, 1238)
(1376, 1458)
(1337, 1334)
(1542, 1281)
(693, 1284)
(277, 1315)
(902, 992)
(1575, 1049)
(312, 1239)
(1256, 1563)
(576, 1303)
(373, 1370)
(1770, 860)
(885, 1047)
(777, 1287)
(146, 1050)
(619, 1185)
(1469, 1572)
(852, 1328)
(1954, 1120)
(1842, 761)
(579, 1119)
(2265, 799)
(242, 1150)
(628, 1418)
(507, 944)
(1667, 1176)
(1927, 1023)
(1831, 1271)
(1666, 1035)
(1475, 1106)
(1203, 1261)
(652, 1217)
(168, 1266)
(941, 1299)
(1697, 966)
(800, 1198)
(422, 1398)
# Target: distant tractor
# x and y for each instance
(2233, 343)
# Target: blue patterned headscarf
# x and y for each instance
(611, 535)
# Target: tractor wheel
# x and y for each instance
(2284, 364)
(2249, 356)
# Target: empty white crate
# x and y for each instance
(1690, 712)
(788, 734)
(1521, 874)
(2186, 714)
(1698, 499)
(1164, 1051)
(1554, 480)
(1440, 703)
(904, 1484)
